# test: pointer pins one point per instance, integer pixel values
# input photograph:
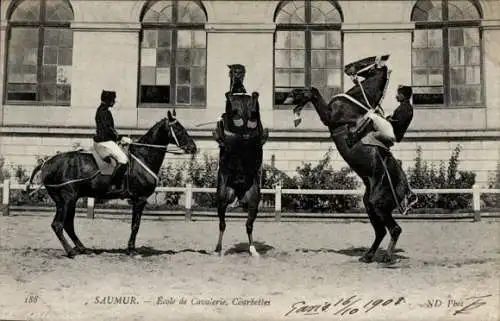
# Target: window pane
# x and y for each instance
(318, 40)
(148, 57)
(183, 58)
(427, 10)
(473, 75)
(64, 93)
(65, 57)
(149, 39)
(190, 12)
(456, 36)
(183, 76)
(292, 12)
(23, 37)
(334, 40)
(472, 56)
(317, 16)
(297, 58)
(471, 36)
(26, 11)
(436, 77)
(198, 95)
(64, 75)
(457, 56)
(333, 58)
(51, 36)
(318, 77)
(155, 94)
(164, 38)
(198, 57)
(420, 38)
(419, 77)
(282, 78)
(58, 10)
(183, 94)
(434, 38)
(457, 75)
(184, 39)
(48, 92)
(163, 57)
(65, 37)
(198, 76)
(50, 55)
(297, 78)
(318, 59)
(22, 92)
(200, 39)
(160, 11)
(428, 95)
(148, 76)
(49, 74)
(334, 78)
(462, 10)
(282, 58)
(163, 76)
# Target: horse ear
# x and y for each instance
(169, 114)
(173, 113)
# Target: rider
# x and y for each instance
(106, 138)
(393, 128)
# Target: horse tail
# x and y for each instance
(28, 184)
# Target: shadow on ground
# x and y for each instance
(243, 247)
(358, 251)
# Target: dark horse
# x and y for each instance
(240, 136)
(74, 174)
(340, 115)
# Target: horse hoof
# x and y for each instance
(366, 259)
(72, 253)
(253, 251)
(388, 259)
(132, 252)
(83, 250)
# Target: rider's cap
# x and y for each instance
(406, 91)
(108, 96)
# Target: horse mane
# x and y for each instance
(370, 88)
(144, 138)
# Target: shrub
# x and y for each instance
(203, 174)
(271, 177)
(423, 176)
(323, 176)
(493, 200)
(171, 176)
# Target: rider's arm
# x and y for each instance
(400, 120)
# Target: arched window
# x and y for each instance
(307, 47)
(173, 54)
(40, 50)
(446, 53)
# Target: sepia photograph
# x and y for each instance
(249, 160)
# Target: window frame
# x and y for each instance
(174, 27)
(40, 24)
(444, 25)
(308, 27)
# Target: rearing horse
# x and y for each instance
(241, 136)
(71, 175)
(340, 115)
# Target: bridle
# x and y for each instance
(355, 79)
(165, 147)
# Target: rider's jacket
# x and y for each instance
(401, 119)
(105, 125)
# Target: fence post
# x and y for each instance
(277, 203)
(189, 200)
(91, 207)
(476, 202)
(5, 197)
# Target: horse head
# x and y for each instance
(177, 134)
(236, 77)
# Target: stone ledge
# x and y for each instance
(240, 27)
(377, 27)
(106, 26)
(315, 135)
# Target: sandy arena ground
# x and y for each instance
(446, 263)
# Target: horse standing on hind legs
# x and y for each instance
(240, 136)
(386, 185)
(71, 175)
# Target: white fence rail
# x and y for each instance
(188, 191)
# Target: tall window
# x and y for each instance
(446, 57)
(173, 54)
(307, 47)
(40, 50)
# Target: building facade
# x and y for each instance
(57, 56)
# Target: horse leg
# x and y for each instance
(253, 205)
(58, 227)
(225, 195)
(69, 227)
(395, 231)
(137, 208)
(378, 226)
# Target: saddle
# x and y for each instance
(105, 163)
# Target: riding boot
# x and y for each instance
(117, 180)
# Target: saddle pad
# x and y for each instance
(369, 139)
(104, 167)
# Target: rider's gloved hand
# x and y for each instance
(126, 140)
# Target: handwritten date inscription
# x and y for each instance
(344, 306)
